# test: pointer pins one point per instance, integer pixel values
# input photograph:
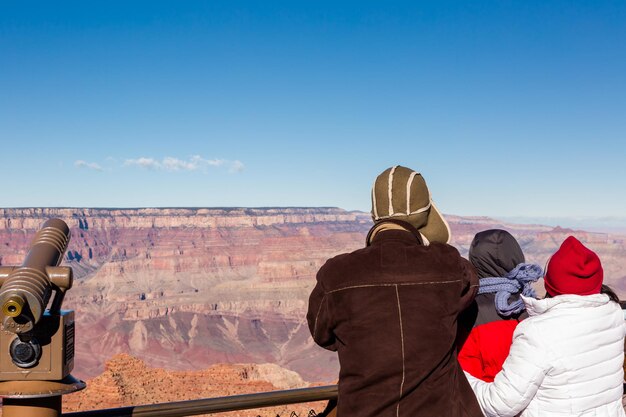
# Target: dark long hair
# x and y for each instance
(605, 289)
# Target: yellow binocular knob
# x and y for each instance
(13, 306)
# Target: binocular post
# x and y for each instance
(34, 407)
(37, 342)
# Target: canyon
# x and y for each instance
(184, 289)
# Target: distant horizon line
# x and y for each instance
(492, 216)
(174, 207)
(605, 224)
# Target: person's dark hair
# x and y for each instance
(605, 289)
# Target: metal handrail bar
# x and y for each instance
(217, 405)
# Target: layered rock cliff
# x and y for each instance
(184, 289)
(187, 288)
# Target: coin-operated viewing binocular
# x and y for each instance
(36, 336)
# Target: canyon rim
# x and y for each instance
(187, 288)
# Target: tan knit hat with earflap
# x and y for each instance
(401, 193)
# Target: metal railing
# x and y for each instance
(217, 405)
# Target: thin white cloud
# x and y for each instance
(237, 166)
(175, 164)
(194, 163)
(89, 165)
(147, 163)
(197, 159)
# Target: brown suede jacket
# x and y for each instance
(390, 311)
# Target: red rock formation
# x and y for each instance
(127, 381)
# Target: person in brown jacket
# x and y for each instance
(390, 309)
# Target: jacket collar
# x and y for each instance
(536, 307)
(407, 233)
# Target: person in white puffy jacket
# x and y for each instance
(566, 358)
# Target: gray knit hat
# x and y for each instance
(401, 193)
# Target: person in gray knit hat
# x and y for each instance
(390, 309)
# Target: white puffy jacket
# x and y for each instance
(566, 360)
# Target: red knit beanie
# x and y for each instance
(573, 269)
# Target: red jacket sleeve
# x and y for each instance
(470, 357)
(486, 349)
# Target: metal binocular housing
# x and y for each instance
(36, 336)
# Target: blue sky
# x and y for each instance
(507, 108)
